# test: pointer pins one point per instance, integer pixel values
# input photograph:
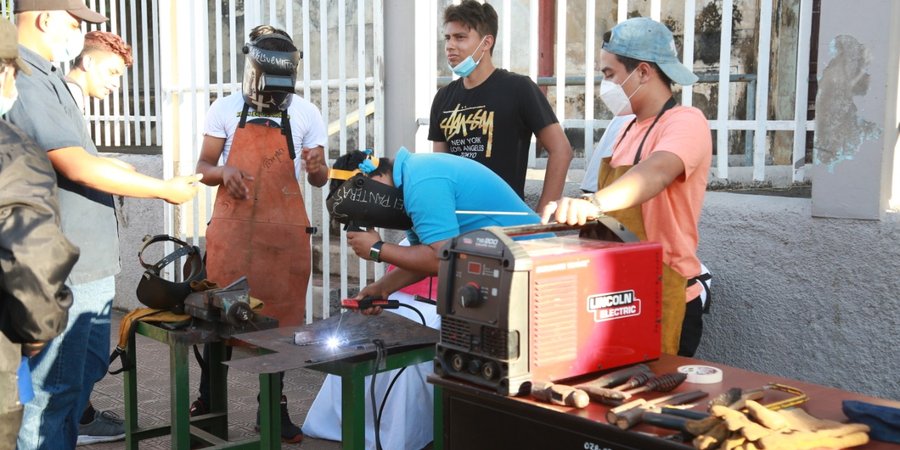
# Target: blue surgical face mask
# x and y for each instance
(468, 65)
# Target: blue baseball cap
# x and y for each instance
(645, 39)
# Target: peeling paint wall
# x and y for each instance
(856, 109)
(841, 129)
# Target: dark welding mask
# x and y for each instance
(269, 75)
(361, 202)
(155, 291)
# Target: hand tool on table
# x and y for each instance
(662, 383)
(559, 394)
(629, 414)
(369, 302)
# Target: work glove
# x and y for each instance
(790, 429)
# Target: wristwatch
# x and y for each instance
(375, 251)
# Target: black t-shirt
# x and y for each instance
(492, 123)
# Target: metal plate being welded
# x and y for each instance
(357, 332)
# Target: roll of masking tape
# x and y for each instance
(701, 374)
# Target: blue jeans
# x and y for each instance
(65, 372)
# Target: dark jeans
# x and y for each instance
(691, 328)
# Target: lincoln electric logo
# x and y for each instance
(614, 305)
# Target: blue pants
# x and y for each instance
(65, 372)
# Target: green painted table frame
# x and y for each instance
(182, 427)
(353, 375)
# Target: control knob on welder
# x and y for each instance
(470, 295)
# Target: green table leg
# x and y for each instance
(269, 411)
(180, 400)
(438, 418)
(353, 407)
(131, 400)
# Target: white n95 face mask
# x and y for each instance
(614, 97)
(72, 48)
(6, 104)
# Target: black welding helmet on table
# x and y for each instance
(356, 200)
(155, 291)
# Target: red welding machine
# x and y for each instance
(546, 307)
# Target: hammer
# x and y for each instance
(559, 394)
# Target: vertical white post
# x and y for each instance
(724, 90)
(622, 11)
(427, 24)
(506, 34)
(762, 90)
(178, 24)
(589, 32)
(561, 61)
(655, 10)
(690, 11)
(378, 88)
(800, 108)
(533, 55)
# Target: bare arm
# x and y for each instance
(421, 259)
(100, 173)
(439, 147)
(643, 182)
(234, 179)
(559, 157)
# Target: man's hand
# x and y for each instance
(313, 159)
(361, 242)
(374, 290)
(181, 189)
(571, 211)
(234, 180)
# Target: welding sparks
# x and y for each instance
(333, 342)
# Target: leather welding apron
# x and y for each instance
(673, 284)
(265, 237)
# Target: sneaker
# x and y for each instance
(106, 427)
(290, 433)
(198, 408)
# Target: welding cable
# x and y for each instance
(379, 346)
(421, 316)
(379, 357)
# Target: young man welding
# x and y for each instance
(435, 197)
(655, 181)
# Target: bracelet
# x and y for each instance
(375, 251)
(593, 199)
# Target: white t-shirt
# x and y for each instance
(603, 149)
(307, 127)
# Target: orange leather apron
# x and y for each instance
(673, 284)
(264, 237)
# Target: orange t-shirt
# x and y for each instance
(672, 216)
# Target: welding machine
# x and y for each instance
(546, 306)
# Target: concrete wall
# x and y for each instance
(808, 298)
(137, 218)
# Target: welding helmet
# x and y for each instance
(269, 75)
(356, 199)
(155, 291)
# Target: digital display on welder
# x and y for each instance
(475, 268)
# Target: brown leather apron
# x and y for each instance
(673, 284)
(265, 237)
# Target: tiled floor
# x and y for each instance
(300, 386)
